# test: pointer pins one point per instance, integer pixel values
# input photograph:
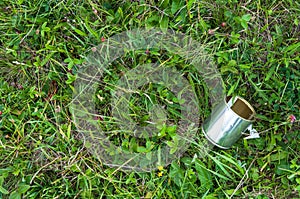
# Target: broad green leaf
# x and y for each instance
(1, 180)
(173, 150)
(270, 73)
(46, 29)
(228, 14)
(44, 25)
(69, 131)
(88, 27)
(231, 63)
(153, 19)
(296, 21)
(164, 3)
(6, 171)
(190, 3)
(278, 156)
(23, 188)
(234, 38)
(203, 175)
(171, 129)
(20, 2)
(141, 149)
(71, 78)
(120, 12)
(170, 144)
(229, 69)
(148, 195)
(211, 196)
(15, 195)
(175, 6)
(292, 48)
(244, 66)
(60, 25)
(244, 24)
(176, 174)
(232, 88)
(246, 17)
(164, 22)
(4, 191)
(47, 58)
(81, 33)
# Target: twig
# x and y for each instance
(159, 10)
(42, 169)
(276, 126)
(242, 180)
(32, 25)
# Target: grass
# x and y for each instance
(42, 153)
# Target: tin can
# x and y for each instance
(228, 121)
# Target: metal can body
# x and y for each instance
(228, 121)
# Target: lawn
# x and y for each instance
(63, 65)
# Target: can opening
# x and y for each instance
(242, 108)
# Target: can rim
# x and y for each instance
(244, 101)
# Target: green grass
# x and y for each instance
(42, 154)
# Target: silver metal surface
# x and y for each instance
(228, 121)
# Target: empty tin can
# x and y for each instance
(228, 121)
